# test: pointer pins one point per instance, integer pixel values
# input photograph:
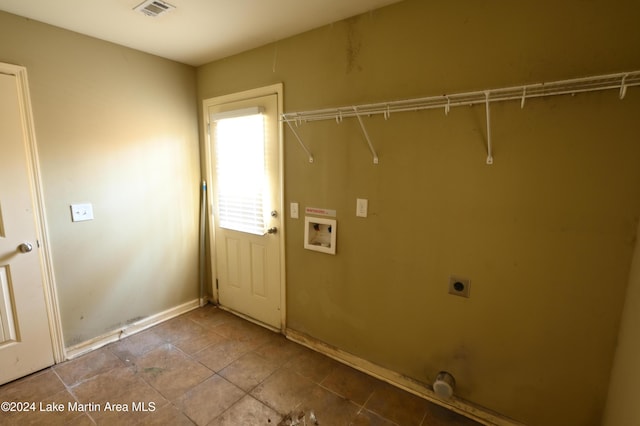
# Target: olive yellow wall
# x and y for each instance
(546, 234)
(622, 403)
(116, 128)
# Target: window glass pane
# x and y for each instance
(240, 170)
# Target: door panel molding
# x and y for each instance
(35, 181)
(258, 262)
(8, 332)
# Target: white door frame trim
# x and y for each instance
(49, 286)
(276, 89)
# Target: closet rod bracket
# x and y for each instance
(623, 86)
(306, 150)
(366, 136)
(488, 111)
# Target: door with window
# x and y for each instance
(25, 339)
(244, 159)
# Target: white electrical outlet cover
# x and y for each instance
(362, 207)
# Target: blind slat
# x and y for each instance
(240, 173)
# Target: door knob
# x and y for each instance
(25, 247)
(272, 230)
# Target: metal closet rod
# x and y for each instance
(619, 81)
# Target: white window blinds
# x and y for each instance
(240, 170)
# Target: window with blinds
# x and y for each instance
(240, 170)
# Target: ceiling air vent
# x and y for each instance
(154, 8)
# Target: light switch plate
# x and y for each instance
(294, 210)
(362, 206)
(81, 212)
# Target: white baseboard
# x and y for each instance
(457, 405)
(129, 329)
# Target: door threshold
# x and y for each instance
(248, 318)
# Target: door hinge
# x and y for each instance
(216, 283)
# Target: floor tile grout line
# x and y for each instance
(208, 346)
(360, 406)
(134, 369)
(424, 418)
(364, 407)
(193, 358)
(273, 360)
(217, 372)
(112, 345)
(68, 388)
(281, 367)
(368, 398)
(86, 379)
(266, 403)
(117, 395)
(245, 394)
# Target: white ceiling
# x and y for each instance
(197, 31)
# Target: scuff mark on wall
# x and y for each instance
(275, 59)
(354, 45)
(134, 320)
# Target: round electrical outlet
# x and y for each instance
(459, 286)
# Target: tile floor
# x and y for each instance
(209, 367)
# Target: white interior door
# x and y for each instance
(245, 172)
(25, 339)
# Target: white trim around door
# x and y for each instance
(207, 105)
(51, 299)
